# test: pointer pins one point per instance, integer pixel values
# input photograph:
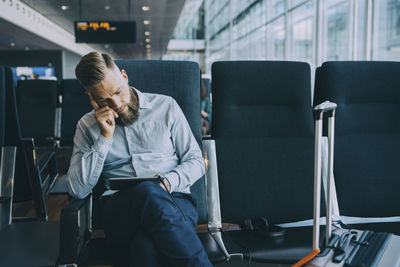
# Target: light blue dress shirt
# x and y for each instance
(159, 142)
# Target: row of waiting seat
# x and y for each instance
(263, 130)
(261, 156)
(49, 110)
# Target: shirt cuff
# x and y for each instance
(102, 145)
(173, 179)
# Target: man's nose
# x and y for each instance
(115, 102)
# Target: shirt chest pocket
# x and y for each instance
(153, 137)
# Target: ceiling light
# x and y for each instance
(147, 33)
(146, 22)
(12, 44)
(106, 46)
(147, 40)
(63, 7)
(145, 8)
(148, 46)
(107, 7)
(27, 48)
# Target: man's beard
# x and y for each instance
(129, 117)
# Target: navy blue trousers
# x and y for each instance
(143, 227)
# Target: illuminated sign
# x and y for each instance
(105, 31)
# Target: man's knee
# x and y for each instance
(143, 251)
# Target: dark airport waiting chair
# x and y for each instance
(36, 170)
(75, 104)
(367, 138)
(5, 194)
(178, 79)
(37, 105)
(22, 243)
(2, 104)
(264, 148)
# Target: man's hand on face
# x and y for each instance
(105, 117)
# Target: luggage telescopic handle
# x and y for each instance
(323, 108)
(319, 111)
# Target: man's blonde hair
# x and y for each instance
(92, 67)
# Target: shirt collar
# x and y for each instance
(143, 100)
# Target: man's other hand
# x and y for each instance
(105, 117)
(166, 182)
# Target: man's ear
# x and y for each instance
(123, 73)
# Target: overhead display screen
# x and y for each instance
(105, 31)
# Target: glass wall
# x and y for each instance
(387, 45)
(190, 27)
(337, 34)
(313, 31)
(301, 33)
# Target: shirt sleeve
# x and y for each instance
(191, 162)
(86, 162)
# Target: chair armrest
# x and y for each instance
(213, 201)
(7, 167)
(42, 167)
(41, 155)
(212, 189)
(75, 229)
(5, 212)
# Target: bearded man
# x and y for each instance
(130, 133)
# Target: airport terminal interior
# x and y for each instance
(292, 106)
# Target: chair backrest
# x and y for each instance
(207, 84)
(13, 136)
(37, 101)
(263, 129)
(367, 134)
(180, 80)
(2, 106)
(75, 104)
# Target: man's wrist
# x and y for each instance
(165, 183)
(173, 179)
(102, 144)
(109, 136)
